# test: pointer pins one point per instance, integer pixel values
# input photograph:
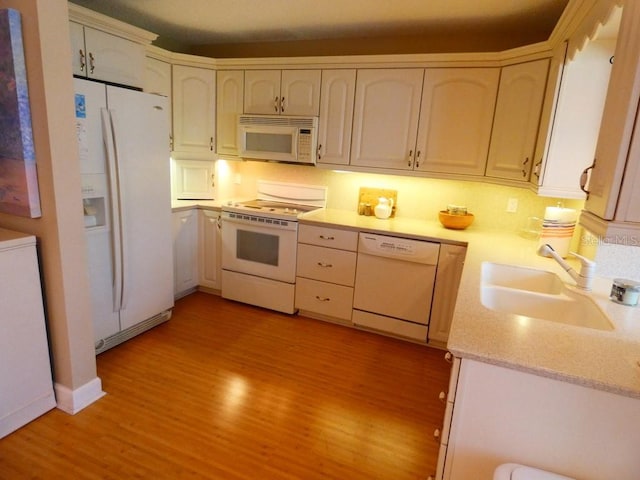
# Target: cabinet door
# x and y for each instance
(262, 92)
(78, 50)
(615, 178)
(114, 59)
(157, 80)
(516, 121)
(300, 92)
(194, 96)
(209, 249)
(456, 119)
(385, 123)
(185, 251)
(336, 116)
(194, 180)
(230, 104)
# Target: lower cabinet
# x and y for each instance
(209, 249)
(185, 251)
(326, 268)
(502, 415)
(196, 251)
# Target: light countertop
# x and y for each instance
(179, 205)
(605, 360)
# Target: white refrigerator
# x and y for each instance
(123, 140)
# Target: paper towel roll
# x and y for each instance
(558, 226)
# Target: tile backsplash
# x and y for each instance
(417, 197)
(422, 198)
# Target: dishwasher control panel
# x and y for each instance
(418, 251)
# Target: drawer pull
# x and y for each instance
(324, 237)
(324, 265)
(323, 299)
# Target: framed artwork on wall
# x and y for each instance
(18, 177)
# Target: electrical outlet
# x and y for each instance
(512, 205)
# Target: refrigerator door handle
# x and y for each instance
(116, 208)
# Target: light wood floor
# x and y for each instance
(229, 391)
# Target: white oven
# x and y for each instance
(259, 244)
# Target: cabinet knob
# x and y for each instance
(275, 104)
(325, 237)
(436, 433)
(324, 265)
(524, 167)
(319, 150)
(92, 63)
(448, 357)
(417, 158)
(211, 144)
(442, 396)
(83, 61)
(410, 158)
(584, 178)
(282, 104)
(323, 299)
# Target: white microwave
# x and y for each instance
(278, 138)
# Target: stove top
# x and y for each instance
(281, 200)
(269, 208)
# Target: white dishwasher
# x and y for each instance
(394, 285)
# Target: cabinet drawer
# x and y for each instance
(324, 298)
(326, 264)
(328, 237)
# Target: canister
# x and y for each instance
(625, 292)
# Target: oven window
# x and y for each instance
(269, 142)
(257, 247)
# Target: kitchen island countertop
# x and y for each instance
(605, 360)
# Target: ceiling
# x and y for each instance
(184, 26)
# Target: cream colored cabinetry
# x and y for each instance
(456, 117)
(516, 121)
(282, 92)
(209, 249)
(102, 56)
(194, 180)
(157, 80)
(386, 114)
(336, 116)
(614, 185)
(185, 251)
(230, 104)
(502, 415)
(326, 272)
(194, 112)
(445, 292)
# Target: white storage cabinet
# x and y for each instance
(325, 274)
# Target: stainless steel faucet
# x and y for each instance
(587, 267)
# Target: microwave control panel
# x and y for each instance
(304, 145)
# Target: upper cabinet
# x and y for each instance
(230, 104)
(614, 186)
(516, 121)
(282, 92)
(455, 120)
(157, 80)
(386, 114)
(336, 115)
(194, 112)
(102, 56)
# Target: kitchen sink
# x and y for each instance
(521, 278)
(538, 294)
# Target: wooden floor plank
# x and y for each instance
(230, 391)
